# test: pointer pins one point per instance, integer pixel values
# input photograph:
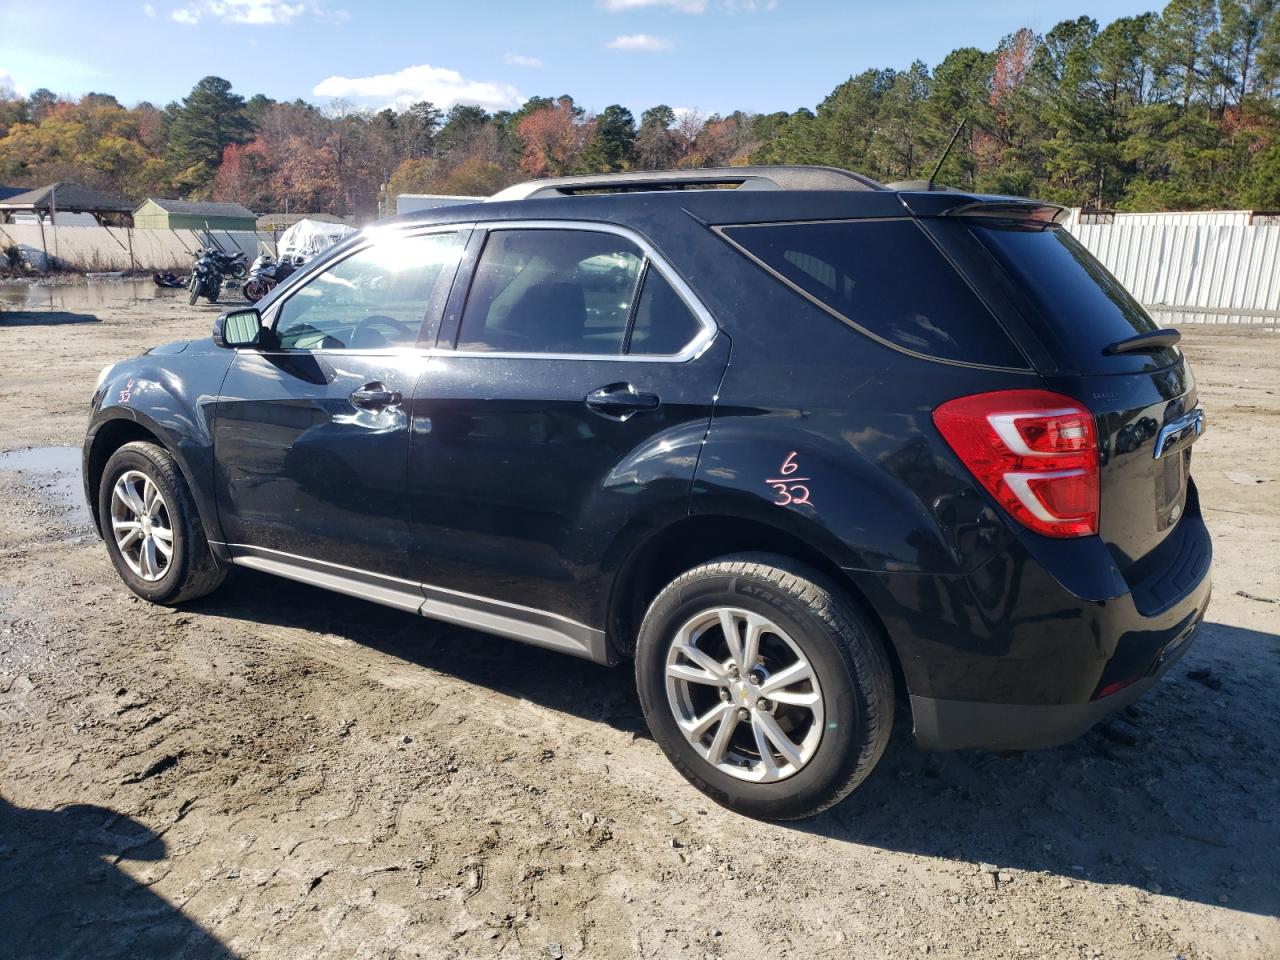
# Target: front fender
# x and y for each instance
(172, 398)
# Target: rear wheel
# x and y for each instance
(151, 528)
(768, 690)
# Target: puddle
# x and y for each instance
(86, 296)
(55, 473)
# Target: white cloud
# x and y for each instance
(441, 86)
(253, 12)
(640, 41)
(679, 6)
(518, 60)
(149, 10)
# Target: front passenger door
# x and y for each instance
(311, 435)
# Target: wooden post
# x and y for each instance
(43, 245)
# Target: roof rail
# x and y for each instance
(740, 178)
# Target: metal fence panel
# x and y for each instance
(1171, 261)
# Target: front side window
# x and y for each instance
(373, 299)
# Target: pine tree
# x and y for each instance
(210, 118)
(611, 146)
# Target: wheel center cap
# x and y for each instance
(743, 693)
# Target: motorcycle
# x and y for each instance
(266, 274)
(206, 277)
(167, 279)
(234, 265)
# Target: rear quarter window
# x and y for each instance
(887, 278)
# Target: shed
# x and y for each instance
(158, 214)
(64, 197)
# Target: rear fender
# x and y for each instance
(883, 496)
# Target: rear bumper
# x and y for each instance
(962, 724)
(1031, 651)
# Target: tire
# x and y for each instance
(212, 289)
(191, 570)
(808, 619)
(195, 293)
(254, 290)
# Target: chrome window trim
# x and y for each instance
(695, 348)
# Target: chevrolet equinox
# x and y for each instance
(795, 443)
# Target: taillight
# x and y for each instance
(1036, 452)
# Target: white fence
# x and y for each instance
(1218, 265)
(90, 249)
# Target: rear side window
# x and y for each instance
(1086, 307)
(664, 323)
(551, 291)
(887, 278)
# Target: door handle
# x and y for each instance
(621, 401)
(375, 396)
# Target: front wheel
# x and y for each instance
(152, 531)
(764, 685)
(195, 292)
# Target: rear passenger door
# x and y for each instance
(568, 399)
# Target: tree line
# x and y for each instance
(1175, 110)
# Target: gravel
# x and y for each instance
(274, 705)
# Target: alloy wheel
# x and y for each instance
(744, 695)
(142, 525)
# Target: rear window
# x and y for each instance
(1085, 306)
(887, 278)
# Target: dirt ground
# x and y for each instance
(281, 772)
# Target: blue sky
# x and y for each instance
(708, 55)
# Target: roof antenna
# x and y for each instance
(947, 152)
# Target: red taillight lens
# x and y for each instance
(1036, 452)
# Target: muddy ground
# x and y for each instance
(280, 772)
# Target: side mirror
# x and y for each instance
(239, 328)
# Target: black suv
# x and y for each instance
(791, 440)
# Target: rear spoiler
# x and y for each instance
(1006, 209)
